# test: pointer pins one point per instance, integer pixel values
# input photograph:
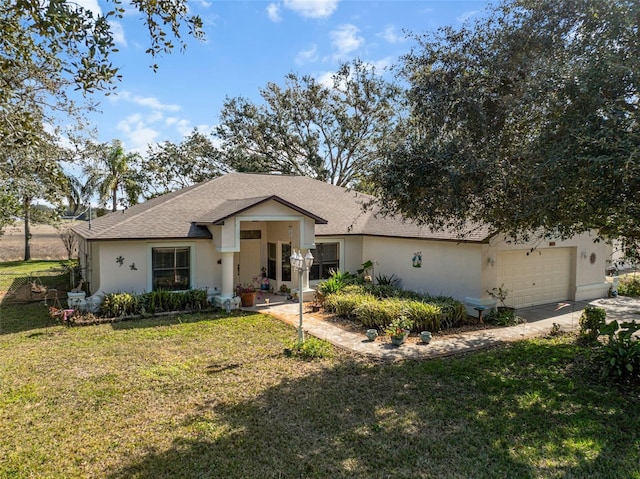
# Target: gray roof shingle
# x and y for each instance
(337, 211)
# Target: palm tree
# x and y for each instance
(115, 173)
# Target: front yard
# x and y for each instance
(214, 396)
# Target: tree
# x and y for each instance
(48, 48)
(331, 133)
(526, 122)
(29, 173)
(113, 175)
(171, 166)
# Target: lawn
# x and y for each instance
(214, 396)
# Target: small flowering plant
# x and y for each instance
(245, 288)
(399, 326)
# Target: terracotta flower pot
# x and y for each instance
(248, 299)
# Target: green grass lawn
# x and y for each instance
(214, 396)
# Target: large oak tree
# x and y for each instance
(331, 132)
(526, 121)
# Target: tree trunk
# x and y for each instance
(27, 228)
(114, 200)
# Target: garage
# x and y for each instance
(536, 277)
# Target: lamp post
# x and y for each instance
(301, 265)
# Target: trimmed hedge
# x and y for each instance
(629, 286)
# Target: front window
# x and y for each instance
(286, 262)
(326, 258)
(171, 268)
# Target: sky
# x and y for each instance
(249, 44)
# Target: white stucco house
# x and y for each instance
(224, 231)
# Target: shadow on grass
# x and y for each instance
(519, 411)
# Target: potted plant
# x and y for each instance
(399, 329)
(247, 293)
(265, 283)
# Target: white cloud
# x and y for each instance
(149, 101)
(91, 5)
(345, 40)
(312, 8)
(326, 79)
(118, 33)
(389, 34)
(467, 15)
(307, 56)
(273, 12)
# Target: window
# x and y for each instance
(271, 261)
(325, 258)
(250, 234)
(171, 268)
(286, 262)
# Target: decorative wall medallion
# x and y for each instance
(592, 258)
(417, 259)
(120, 260)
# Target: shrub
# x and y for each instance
(387, 280)
(425, 316)
(620, 356)
(376, 313)
(335, 283)
(629, 286)
(345, 304)
(592, 320)
(503, 317)
(116, 305)
(127, 304)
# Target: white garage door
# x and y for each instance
(542, 276)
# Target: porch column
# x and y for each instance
(227, 275)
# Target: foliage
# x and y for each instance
(69, 240)
(499, 294)
(620, 356)
(387, 280)
(336, 282)
(629, 286)
(345, 304)
(592, 320)
(169, 166)
(50, 48)
(535, 93)
(375, 306)
(503, 316)
(117, 305)
(114, 174)
(375, 313)
(331, 133)
(399, 326)
(312, 348)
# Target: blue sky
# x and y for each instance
(248, 44)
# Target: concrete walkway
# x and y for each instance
(539, 321)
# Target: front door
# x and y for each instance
(250, 261)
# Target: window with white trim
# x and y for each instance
(326, 257)
(171, 268)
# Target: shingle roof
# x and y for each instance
(180, 214)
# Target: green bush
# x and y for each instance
(335, 283)
(629, 286)
(345, 304)
(376, 313)
(116, 305)
(502, 316)
(620, 356)
(592, 320)
(425, 316)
